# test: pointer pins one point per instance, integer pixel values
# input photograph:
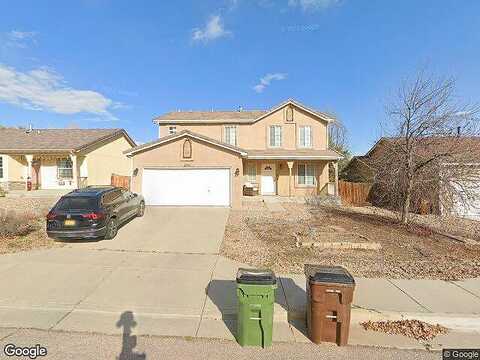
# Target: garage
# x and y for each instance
(467, 205)
(186, 187)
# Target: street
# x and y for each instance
(81, 346)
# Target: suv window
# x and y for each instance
(111, 197)
(77, 203)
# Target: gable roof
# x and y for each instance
(54, 140)
(181, 134)
(235, 117)
(455, 147)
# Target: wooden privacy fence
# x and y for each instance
(120, 181)
(354, 193)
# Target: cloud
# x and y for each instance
(44, 90)
(19, 39)
(312, 5)
(267, 79)
(213, 30)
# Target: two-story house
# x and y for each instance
(207, 157)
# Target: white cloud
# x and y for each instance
(19, 39)
(267, 79)
(213, 30)
(45, 90)
(311, 5)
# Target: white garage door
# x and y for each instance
(186, 187)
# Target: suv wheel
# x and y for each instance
(141, 209)
(112, 229)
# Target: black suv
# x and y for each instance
(93, 212)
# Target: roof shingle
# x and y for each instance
(49, 140)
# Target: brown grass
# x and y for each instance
(264, 239)
(22, 224)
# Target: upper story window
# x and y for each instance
(289, 114)
(305, 136)
(1, 167)
(172, 130)
(231, 135)
(65, 168)
(275, 136)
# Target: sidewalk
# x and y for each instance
(81, 290)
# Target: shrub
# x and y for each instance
(15, 224)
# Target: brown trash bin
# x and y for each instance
(329, 297)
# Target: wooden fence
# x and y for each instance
(354, 193)
(120, 181)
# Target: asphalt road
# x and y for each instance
(81, 346)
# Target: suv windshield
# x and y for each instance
(77, 203)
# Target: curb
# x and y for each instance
(459, 322)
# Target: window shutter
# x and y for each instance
(302, 135)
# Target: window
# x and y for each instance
(77, 203)
(305, 136)
(172, 130)
(275, 136)
(187, 149)
(289, 114)
(252, 173)
(65, 169)
(231, 135)
(306, 174)
(111, 197)
(1, 167)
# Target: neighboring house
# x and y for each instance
(362, 169)
(62, 158)
(207, 157)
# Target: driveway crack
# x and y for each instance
(206, 295)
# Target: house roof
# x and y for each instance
(234, 117)
(298, 154)
(301, 154)
(55, 140)
(454, 148)
(184, 133)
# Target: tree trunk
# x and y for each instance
(406, 202)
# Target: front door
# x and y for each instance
(268, 179)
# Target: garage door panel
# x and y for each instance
(186, 187)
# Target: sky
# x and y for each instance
(106, 63)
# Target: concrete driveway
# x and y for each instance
(158, 265)
(192, 230)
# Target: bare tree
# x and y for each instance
(430, 146)
(337, 139)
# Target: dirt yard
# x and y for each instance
(260, 238)
(22, 224)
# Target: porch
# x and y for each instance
(299, 178)
(52, 171)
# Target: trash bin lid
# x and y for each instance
(328, 274)
(256, 276)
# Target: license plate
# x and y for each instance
(69, 223)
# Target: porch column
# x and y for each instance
(29, 159)
(74, 170)
(290, 167)
(335, 166)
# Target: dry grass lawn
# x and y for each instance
(22, 224)
(261, 238)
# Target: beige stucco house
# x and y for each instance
(62, 158)
(209, 158)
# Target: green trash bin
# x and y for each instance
(256, 296)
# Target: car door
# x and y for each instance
(130, 202)
(118, 205)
